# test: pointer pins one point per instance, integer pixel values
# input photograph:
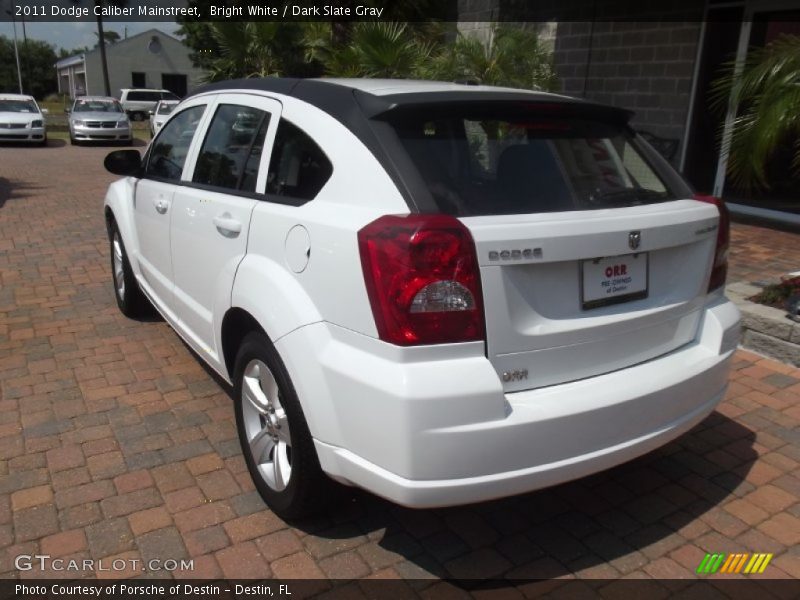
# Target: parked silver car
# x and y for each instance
(98, 119)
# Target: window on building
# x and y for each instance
(175, 83)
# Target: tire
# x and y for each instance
(73, 141)
(283, 463)
(130, 299)
(43, 143)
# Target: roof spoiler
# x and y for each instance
(521, 103)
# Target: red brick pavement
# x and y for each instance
(759, 254)
(116, 443)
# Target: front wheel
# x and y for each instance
(273, 432)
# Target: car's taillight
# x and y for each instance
(422, 279)
(720, 270)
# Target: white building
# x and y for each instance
(151, 59)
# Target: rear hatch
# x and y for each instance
(593, 256)
(565, 296)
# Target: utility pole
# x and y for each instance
(101, 35)
(16, 50)
(26, 54)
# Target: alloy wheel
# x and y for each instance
(266, 425)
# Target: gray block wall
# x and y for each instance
(645, 66)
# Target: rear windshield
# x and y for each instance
(165, 109)
(486, 164)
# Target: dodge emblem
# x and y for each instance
(634, 239)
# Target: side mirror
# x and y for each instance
(67, 110)
(152, 112)
(123, 162)
(45, 111)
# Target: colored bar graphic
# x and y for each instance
(703, 564)
(715, 567)
(759, 563)
(711, 563)
(739, 566)
(734, 563)
(728, 566)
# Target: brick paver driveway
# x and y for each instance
(116, 442)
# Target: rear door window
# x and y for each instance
(485, 163)
(232, 149)
(298, 168)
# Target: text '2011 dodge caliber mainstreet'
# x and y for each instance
(440, 293)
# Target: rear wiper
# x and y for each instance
(627, 195)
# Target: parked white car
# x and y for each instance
(21, 120)
(138, 103)
(98, 119)
(441, 293)
(159, 115)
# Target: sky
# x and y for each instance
(77, 34)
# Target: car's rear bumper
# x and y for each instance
(441, 432)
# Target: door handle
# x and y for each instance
(227, 225)
(161, 206)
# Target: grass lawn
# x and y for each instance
(139, 134)
(55, 108)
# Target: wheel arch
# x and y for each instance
(117, 209)
(110, 220)
(236, 324)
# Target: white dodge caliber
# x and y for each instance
(440, 293)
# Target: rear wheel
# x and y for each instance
(130, 299)
(273, 432)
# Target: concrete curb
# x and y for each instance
(765, 329)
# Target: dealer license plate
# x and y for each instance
(614, 279)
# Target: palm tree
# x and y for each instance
(764, 93)
(111, 37)
(255, 49)
(512, 57)
(374, 49)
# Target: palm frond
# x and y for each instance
(764, 91)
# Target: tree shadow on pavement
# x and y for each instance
(603, 526)
(15, 190)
